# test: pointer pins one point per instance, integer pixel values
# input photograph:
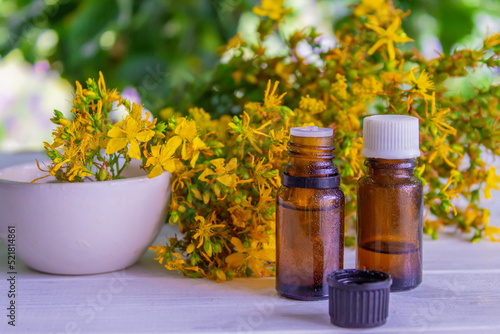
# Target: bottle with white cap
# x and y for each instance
(390, 201)
(309, 216)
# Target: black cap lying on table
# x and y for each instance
(359, 298)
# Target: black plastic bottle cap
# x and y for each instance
(359, 298)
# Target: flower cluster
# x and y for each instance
(91, 146)
(224, 189)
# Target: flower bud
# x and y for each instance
(102, 175)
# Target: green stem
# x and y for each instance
(111, 163)
(122, 168)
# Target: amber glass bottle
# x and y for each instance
(390, 201)
(309, 216)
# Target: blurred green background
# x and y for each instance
(166, 50)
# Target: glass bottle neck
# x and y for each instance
(391, 167)
(311, 156)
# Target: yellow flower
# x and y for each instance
(70, 155)
(254, 257)
(421, 85)
(222, 172)
(57, 135)
(492, 41)
(128, 132)
(195, 149)
(271, 98)
(262, 234)
(372, 85)
(266, 200)
(471, 213)
(137, 114)
(442, 150)
(352, 155)
(448, 194)
(161, 157)
(396, 75)
(203, 120)
(160, 252)
(73, 130)
(239, 215)
(97, 142)
(205, 230)
(453, 178)
(311, 104)
(108, 96)
(351, 117)
(260, 169)
(339, 88)
(438, 118)
(492, 181)
(248, 132)
(490, 231)
(192, 144)
(419, 88)
(272, 8)
(279, 147)
(369, 6)
(393, 34)
(378, 11)
(79, 89)
(179, 264)
(78, 170)
(368, 87)
(393, 77)
(101, 84)
(56, 167)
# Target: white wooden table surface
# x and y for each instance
(460, 293)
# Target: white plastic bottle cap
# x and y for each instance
(390, 137)
(311, 131)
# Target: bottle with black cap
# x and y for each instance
(309, 216)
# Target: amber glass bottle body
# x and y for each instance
(389, 225)
(309, 220)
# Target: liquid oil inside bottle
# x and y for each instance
(309, 248)
(402, 259)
